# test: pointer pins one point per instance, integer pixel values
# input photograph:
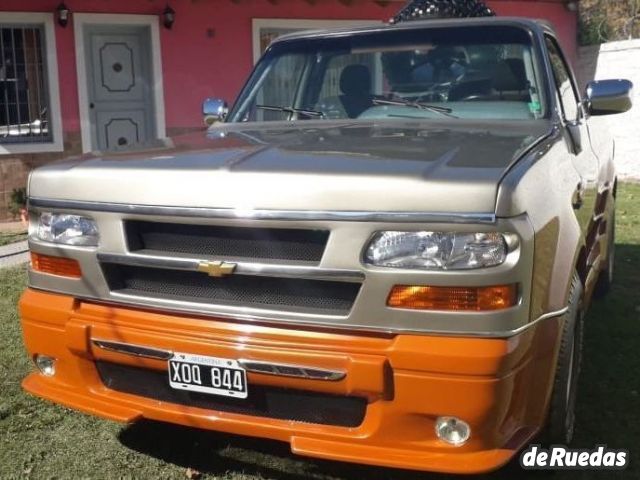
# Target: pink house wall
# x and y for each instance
(197, 65)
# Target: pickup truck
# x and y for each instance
(381, 254)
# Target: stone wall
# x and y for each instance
(618, 60)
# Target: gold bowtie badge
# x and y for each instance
(217, 269)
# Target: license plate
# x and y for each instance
(216, 376)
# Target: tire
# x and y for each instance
(561, 419)
(605, 279)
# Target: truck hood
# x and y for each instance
(449, 166)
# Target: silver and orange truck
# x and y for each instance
(382, 253)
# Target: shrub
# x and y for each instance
(17, 201)
(593, 31)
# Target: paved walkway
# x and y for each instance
(14, 254)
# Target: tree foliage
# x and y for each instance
(425, 9)
(605, 20)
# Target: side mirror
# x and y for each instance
(606, 97)
(214, 110)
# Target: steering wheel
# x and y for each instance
(469, 98)
(432, 96)
(478, 97)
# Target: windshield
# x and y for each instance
(478, 72)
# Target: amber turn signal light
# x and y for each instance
(477, 299)
(65, 267)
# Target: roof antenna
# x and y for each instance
(433, 9)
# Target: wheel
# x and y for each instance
(605, 278)
(561, 418)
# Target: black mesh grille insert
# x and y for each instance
(241, 290)
(220, 241)
(263, 401)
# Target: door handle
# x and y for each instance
(578, 196)
(91, 105)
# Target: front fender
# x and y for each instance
(542, 186)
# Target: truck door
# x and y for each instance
(577, 134)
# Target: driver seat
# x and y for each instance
(355, 85)
(510, 81)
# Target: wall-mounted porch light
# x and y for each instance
(63, 13)
(572, 6)
(168, 17)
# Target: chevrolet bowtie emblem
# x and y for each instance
(217, 269)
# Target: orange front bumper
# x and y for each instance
(499, 386)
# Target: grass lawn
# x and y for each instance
(41, 440)
(11, 237)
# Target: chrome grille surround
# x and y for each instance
(341, 261)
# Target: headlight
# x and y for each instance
(67, 229)
(436, 250)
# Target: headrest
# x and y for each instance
(510, 75)
(355, 80)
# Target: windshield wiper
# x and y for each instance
(302, 111)
(401, 102)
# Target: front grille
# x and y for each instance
(257, 244)
(237, 290)
(263, 401)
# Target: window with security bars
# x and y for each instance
(24, 99)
